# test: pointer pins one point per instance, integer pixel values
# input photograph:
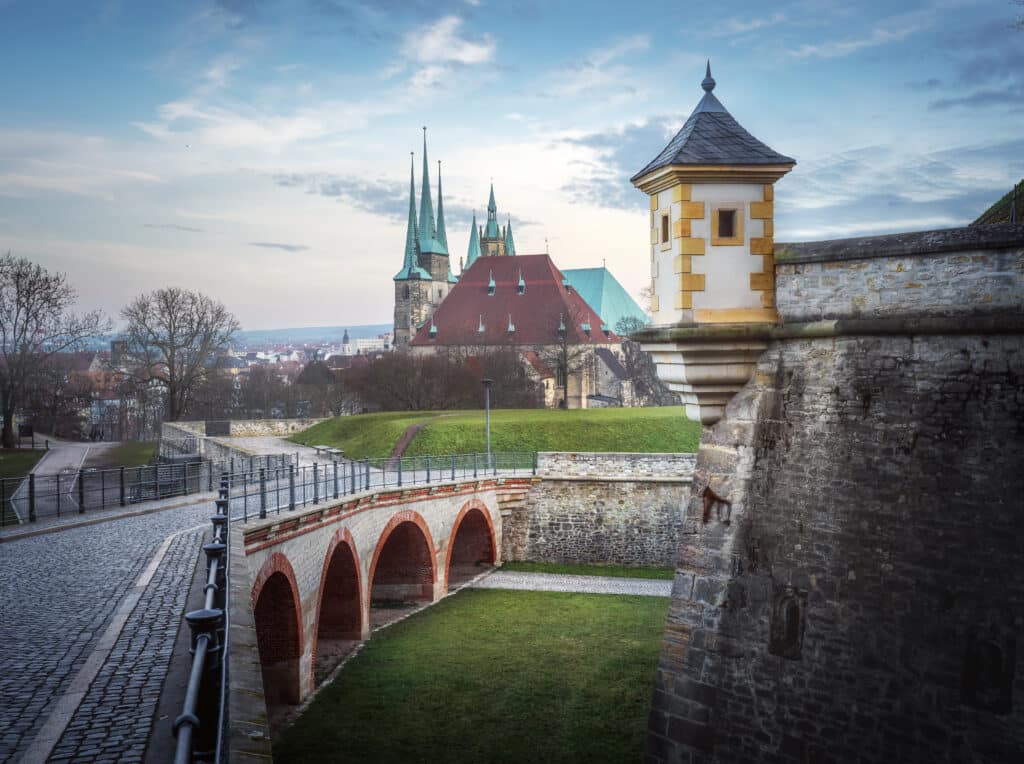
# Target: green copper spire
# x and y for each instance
(428, 228)
(474, 244)
(510, 246)
(441, 235)
(411, 265)
(491, 231)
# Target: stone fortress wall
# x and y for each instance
(859, 594)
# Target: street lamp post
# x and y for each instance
(487, 415)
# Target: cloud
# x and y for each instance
(174, 227)
(441, 42)
(742, 25)
(599, 71)
(929, 84)
(990, 69)
(880, 35)
(277, 245)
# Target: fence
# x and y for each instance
(200, 726)
(259, 484)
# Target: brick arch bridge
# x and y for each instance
(316, 574)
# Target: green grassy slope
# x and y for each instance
(647, 430)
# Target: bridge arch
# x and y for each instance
(339, 606)
(404, 564)
(472, 541)
(277, 612)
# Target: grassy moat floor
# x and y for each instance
(493, 676)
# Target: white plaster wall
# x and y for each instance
(727, 269)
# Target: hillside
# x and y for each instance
(649, 430)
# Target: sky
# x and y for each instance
(258, 150)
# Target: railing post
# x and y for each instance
(352, 477)
(399, 471)
(316, 484)
(367, 473)
(57, 476)
(534, 462)
(428, 468)
(494, 461)
(32, 497)
(291, 487)
(3, 502)
(209, 473)
(335, 478)
(263, 493)
(453, 466)
(81, 492)
(474, 463)
(156, 481)
(122, 497)
(103, 489)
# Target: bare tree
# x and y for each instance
(566, 351)
(35, 324)
(174, 335)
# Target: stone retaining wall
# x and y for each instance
(617, 464)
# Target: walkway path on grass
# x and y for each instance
(554, 582)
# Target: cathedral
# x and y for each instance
(503, 299)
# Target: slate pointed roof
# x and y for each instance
(712, 136)
(474, 245)
(605, 294)
(411, 264)
(510, 245)
(428, 228)
(535, 313)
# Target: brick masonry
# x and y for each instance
(861, 595)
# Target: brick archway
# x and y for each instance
(404, 564)
(277, 612)
(472, 541)
(339, 606)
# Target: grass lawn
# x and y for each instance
(18, 462)
(649, 430)
(615, 571)
(495, 676)
(130, 453)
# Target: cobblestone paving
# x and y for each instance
(57, 592)
(551, 582)
(113, 721)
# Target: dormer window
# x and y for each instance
(491, 286)
(511, 326)
(433, 329)
(521, 286)
(607, 331)
(480, 328)
(561, 325)
(586, 328)
(727, 225)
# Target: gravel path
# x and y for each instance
(552, 582)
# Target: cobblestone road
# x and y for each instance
(57, 592)
(551, 582)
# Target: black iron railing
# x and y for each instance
(199, 727)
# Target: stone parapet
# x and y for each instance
(555, 464)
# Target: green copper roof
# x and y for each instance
(411, 264)
(441, 235)
(428, 229)
(474, 245)
(602, 292)
(510, 245)
(492, 232)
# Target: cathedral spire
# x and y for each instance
(411, 264)
(426, 205)
(492, 232)
(474, 245)
(510, 246)
(442, 235)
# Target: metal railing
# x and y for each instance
(26, 499)
(287, 487)
(199, 727)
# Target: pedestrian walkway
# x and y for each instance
(554, 582)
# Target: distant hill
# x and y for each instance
(300, 335)
(308, 335)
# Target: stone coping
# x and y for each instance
(964, 240)
(980, 323)
(616, 479)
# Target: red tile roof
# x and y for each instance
(535, 313)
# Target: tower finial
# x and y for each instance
(709, 82)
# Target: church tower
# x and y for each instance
(413, 285)
(492, 236)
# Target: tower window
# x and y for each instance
(727, 225)
(664, 229)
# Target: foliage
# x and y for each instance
(35, 324)
(174, 335)
(496, 676)
(648, 430)
(613, 571)
(640, 368)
